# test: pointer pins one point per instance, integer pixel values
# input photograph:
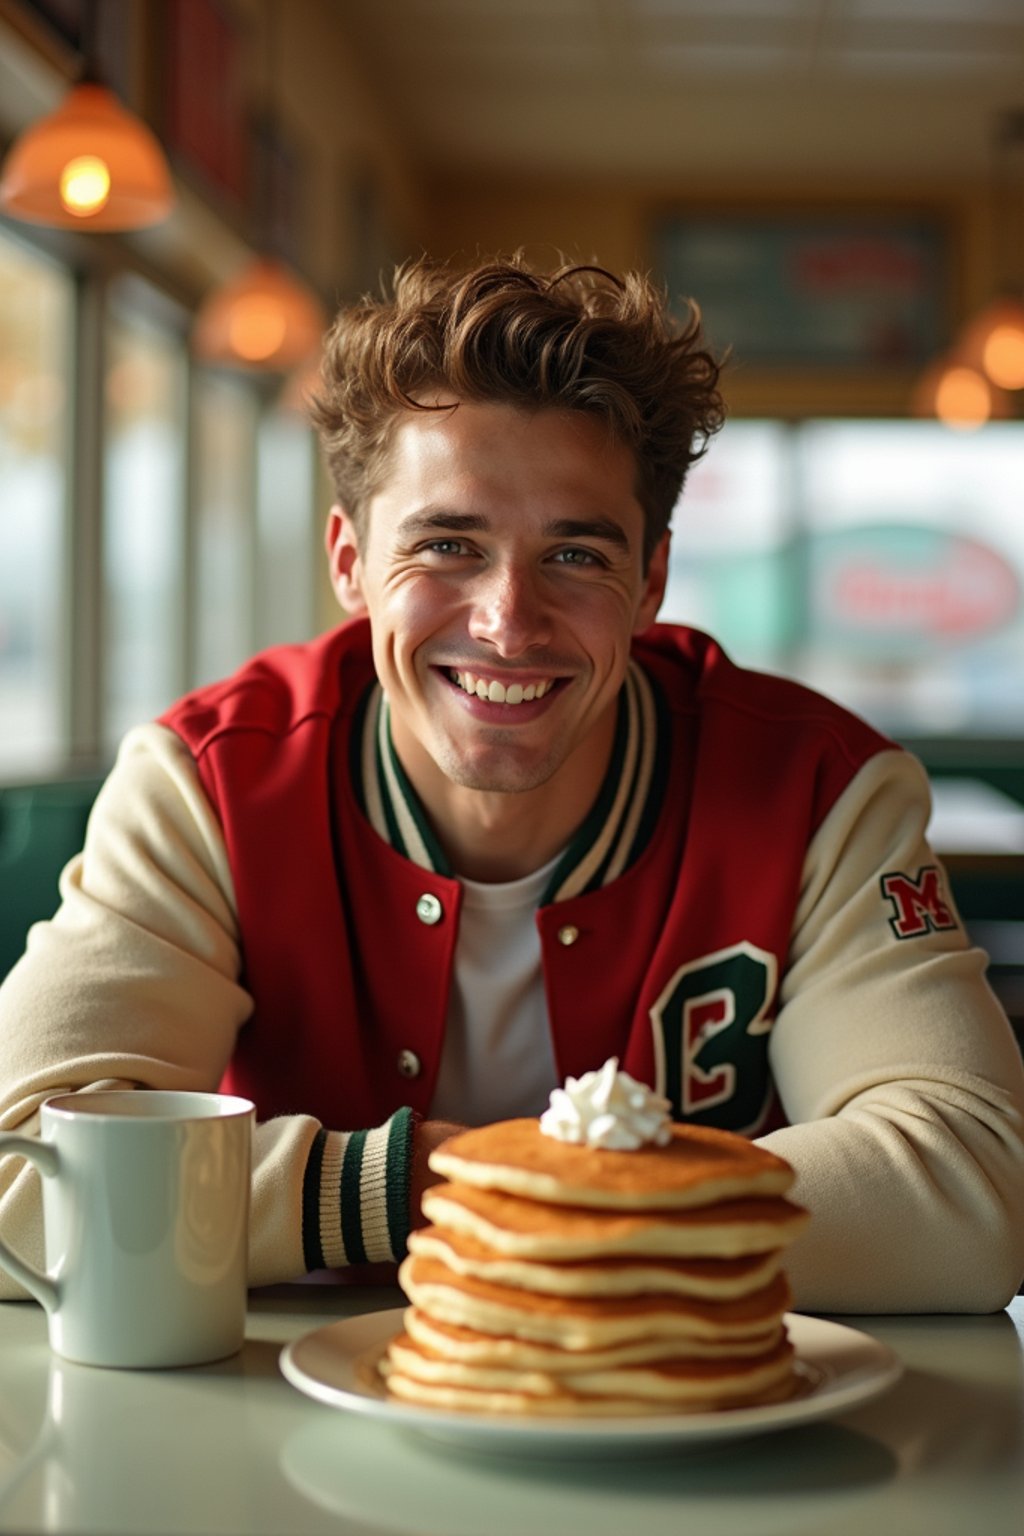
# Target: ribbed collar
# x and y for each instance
(612, 836)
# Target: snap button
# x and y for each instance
(409, 1064)
(429, 909)
(568, 935)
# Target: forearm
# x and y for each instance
(135, 983)
(320, 1199)
(900, 1077)
(327, 1199)
(916, 1194)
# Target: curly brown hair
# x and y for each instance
(577, 338)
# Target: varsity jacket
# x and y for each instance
(749, 918)
(741, 770)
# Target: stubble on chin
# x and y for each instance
(496, 775)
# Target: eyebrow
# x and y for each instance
(472, 522)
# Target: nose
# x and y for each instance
(510, 612)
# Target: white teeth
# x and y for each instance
(497, 693)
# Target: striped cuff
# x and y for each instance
(355, 1195)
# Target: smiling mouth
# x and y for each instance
(500, 693)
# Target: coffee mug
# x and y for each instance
(146, 1221)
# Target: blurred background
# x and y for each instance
(839, 183)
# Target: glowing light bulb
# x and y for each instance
(256, 328)
(963, 400)
(85, 185)
(1003, 358)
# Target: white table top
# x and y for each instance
(233, 1448)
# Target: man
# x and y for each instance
(498, 827)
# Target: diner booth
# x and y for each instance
(850, 218)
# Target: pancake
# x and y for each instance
(680, 1385)
(700, 1166)
(455, 1342)
(720, 1279)
(578, 1323)
(529, 1229)
(569, 1406)
(598, 1262)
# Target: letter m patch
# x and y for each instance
(919, 903)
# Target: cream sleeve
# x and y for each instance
(135, 983)
(900, 1076)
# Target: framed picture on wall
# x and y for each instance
(813, 288)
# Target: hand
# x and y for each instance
(427, 1135)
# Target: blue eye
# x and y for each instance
(577, 557)
(445, 547)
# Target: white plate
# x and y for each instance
(842, 1368)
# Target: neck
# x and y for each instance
(486, 838)
(496, 836)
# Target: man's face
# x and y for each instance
(501, 570)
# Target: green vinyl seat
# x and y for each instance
(41, 826)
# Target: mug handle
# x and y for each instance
(45, 1158)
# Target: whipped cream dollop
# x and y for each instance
(607, 1109)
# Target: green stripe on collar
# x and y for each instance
(416, 837)
(574, 869)
(625, 813)
(614, 833)
(383, 790)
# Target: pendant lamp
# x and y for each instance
(91, 164)
(262, 318)
(959, 395)
(993, 342)
(977, 378)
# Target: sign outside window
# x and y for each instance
(900, 591)
(882, 562)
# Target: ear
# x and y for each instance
(655, 582)
(343, 561)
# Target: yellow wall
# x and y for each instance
(612, 223)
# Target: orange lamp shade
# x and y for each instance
(263, 318)
(89, 165)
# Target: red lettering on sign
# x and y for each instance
(969, 593)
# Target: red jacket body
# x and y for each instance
(677, 963)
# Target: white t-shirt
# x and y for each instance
(497, 1051)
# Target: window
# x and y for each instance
(914, 538)
(35, 413)
(729, 572)
(881, 562)
(287, 538)
(143, 513)
(225, 431)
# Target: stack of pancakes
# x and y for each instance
(569, 1280)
